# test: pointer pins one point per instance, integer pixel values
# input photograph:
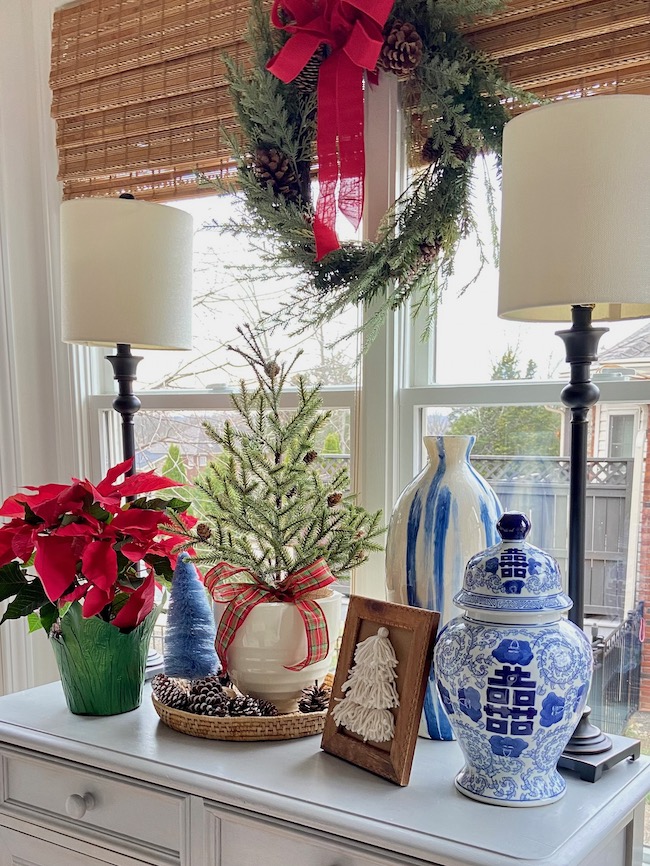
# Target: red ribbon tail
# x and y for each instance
(324, 234)
(293, 56)
(328, 158)
(316, 631)
(352, 157)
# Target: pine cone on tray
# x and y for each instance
(207, 697)
(267, 708)
(314, 699)
(244, 706)
(273, 169)
(205, 706)
(212, 680)
(402, 50)
(169, 691)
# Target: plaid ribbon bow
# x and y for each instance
(241, 591)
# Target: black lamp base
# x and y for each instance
(581, 345)
(587, 739)
(591, 767)
(124, 365)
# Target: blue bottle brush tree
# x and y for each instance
(191, 630)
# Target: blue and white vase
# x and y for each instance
(443, 517)
(513, 672)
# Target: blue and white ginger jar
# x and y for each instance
(443, 517)
(513, 673)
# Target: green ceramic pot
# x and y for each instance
(102, 669)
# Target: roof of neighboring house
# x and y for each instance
(635, 347)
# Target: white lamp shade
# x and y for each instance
(126, 274)
(575, 224)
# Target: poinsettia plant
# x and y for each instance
(88, 543)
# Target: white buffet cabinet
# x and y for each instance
(125, 790)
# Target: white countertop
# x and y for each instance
(295, 781)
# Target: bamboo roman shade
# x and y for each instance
(561, 48)
(139, 94)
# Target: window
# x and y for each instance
(405, 393)
(621, 436)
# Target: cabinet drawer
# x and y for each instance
(246, 842)
(52, 793)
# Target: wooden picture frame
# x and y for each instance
(412, 632)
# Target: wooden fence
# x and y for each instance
(539, 486)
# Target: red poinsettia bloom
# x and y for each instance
(88, 544)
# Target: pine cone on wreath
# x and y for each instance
(463, 152)
(307, 79)
(170, 691)
(314, 699)
(430, 153)
(429, 249)
(273, 169)
(244, 706)
(402, 50)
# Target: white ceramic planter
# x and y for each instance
(272, 636)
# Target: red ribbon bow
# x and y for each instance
(353, 30)
(241, 591)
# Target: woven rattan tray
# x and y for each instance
(242, 728)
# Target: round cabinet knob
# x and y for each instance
(77, 805)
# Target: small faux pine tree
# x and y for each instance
(271, 511)
(189, 637)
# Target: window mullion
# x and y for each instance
(377, 442)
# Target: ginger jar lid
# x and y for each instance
(513, 575)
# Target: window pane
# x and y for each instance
(621, 436)
(522, 452)
(175, 444)
(470, 339)
(229, 292)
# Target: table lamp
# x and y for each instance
(575, 246)
(126, 281)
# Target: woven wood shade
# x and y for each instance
(567, 48)
(139, 93)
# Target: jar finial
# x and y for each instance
(513, 526)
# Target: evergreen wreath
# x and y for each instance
(455, 108)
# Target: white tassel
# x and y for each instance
(369, 723)
(370, 690)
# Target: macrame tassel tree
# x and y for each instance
(370, 690)
(191, 629)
